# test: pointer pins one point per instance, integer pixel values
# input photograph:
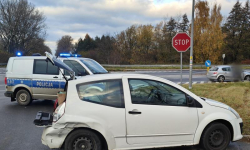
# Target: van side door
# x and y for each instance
(46, 80)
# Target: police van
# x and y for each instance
(34, 77)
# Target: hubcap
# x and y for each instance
(23, 97)
(216, 138)
(82, 143)
(221, 79)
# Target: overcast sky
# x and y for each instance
(98, 17)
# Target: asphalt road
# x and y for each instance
(17, 131)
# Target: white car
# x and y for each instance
(132, 111)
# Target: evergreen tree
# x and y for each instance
(234, 34)
(184, 25)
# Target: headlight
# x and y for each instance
(234, 112)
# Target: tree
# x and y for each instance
(234, 34)
(208, 37)
(64, 45)
(38, 46)
(20, 24)
(184, 25)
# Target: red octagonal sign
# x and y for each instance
(181, 42)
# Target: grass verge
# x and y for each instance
(236, 95)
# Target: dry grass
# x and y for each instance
(236, 95)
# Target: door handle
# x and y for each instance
(55, 77)
(134, 112)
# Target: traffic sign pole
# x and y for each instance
(191, 50)
(181, 68)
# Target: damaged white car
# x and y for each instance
(131, 111)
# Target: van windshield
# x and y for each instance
(95, 67)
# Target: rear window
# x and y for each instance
(107, 92)
(214, 69)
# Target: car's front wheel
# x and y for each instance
(216, 136)
(83, 140)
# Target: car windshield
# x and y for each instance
(214, 69)
(95, 67)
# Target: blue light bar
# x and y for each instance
(18, 54)
(65, 55)
(69, 55)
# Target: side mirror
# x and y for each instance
(190, 101)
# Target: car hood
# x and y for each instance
(215, 103)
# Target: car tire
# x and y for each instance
(247, 78)
(221, 79)
(216, 136)
(23, 97)
(80, 139)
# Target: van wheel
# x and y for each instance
(216, 137)
(221, 79)
(23, 97)
(83, 140)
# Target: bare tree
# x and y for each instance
(64, 45)
(20, 24)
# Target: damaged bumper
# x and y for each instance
(54, 138)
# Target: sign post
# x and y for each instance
(181, 43)
(208, 64)
(223, 56)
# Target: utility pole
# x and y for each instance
(192, 47)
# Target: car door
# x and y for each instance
(157, 112)
(227, 73)
(46, 80)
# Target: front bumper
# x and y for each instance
(238, 129)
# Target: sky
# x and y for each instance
(97, 17)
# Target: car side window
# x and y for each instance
(226, 69)
(76, 67)
(41, 66)
(151, 92)
(108, 92)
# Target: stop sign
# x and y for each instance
(181, 42)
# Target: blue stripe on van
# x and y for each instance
(37, 83)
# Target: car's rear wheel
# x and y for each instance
(221, 79)
(23, 97)
(247, 78)
(216, 136)
(83, 140)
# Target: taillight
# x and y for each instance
(215, 73)
(5, 80)
(59, 112)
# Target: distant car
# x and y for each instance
(133, 111)
(227, 73)
(34, 77)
